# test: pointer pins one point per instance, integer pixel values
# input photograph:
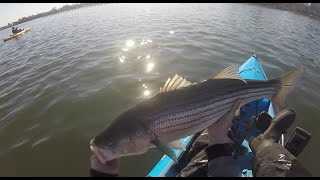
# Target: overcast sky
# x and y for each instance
(10, 12)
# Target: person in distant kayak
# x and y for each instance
(215, 156)
(15, 30)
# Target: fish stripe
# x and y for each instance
(213, 111)
(196, 120)
(201, 105)
(187, 105)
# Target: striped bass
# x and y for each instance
(182, 108)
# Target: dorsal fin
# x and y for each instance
(170, 84)
(176, 82)
(230, 72)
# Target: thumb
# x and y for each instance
(235, 106)
(230, 115)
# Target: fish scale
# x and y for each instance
(172, 106)
(201, 104)
(182, 119)
(209, 102)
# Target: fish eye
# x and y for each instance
(109, 143)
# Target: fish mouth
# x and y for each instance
(97, 152)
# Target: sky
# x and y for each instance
(10, 12)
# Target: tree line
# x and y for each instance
(310, 9)
(53, 11)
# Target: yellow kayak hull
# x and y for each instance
(17, 34)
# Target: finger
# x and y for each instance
(226, 120)
(113, 164)
(230, 115)
(94, 161)
(233, 110)
(94, 158)
(235, 106)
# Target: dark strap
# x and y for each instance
(218, 150)
(94, 173)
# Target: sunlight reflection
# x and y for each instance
(125, 49)
(129, 43)
(171, 32)
(143, 42)
(150, 66)
(146, 93)
(121, 59)
(144, 86)
(148, 56)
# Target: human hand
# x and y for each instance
(218, 131)
(110, 167)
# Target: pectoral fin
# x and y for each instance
(166, 149)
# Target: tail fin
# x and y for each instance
(287, 82)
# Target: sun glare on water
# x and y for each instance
(130, 43)
(146, 93)
(122, 58)
(150, 66)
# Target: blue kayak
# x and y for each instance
(243, 127)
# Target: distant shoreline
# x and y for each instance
(303, 10)
(53, 11)
(268, 5)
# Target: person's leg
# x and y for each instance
(196, 158)
(276, 161)
(272, 159)
(215, 156)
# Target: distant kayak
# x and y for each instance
(17, 34)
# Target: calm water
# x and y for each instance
(73, 73)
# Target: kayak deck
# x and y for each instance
(251, 69)
(17, 34)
